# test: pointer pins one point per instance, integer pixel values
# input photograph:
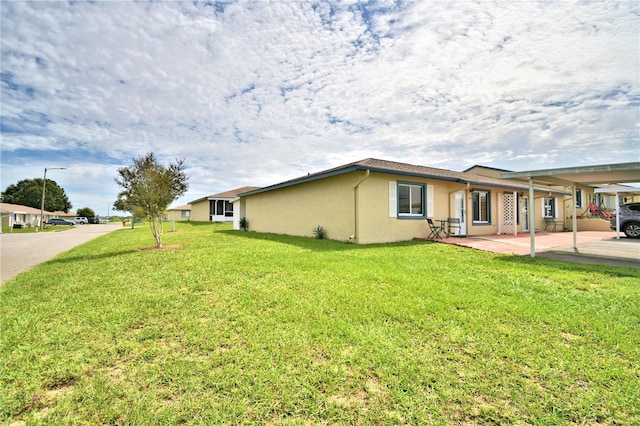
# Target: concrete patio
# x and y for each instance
(594, 247)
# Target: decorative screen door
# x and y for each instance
(509, 219)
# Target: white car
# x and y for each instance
(80, 220)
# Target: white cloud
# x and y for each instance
(257, 92)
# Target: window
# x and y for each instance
(578, 198)
(228, 208)
(549, 207)
(411, 199)
(481, 205)
(185, 214)
(221, 208)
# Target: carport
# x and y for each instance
(570, 177)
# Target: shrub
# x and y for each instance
(320, 233)
(244, 224)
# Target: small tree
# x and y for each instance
(152, 187)
(86, 212)
(28, 192)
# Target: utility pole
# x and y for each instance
(44, 186)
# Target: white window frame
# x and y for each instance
(552, 206)
(423, 190)
(474, 205)
(426, 192)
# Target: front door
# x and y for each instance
(525, 213)
(460, 212)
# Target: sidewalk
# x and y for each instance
(594, 247)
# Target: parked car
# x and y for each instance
(629, 220)
(94, 220)
(80, 220)
(60, 222)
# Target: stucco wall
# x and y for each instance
(200, 211)
(297, 210)
(176, 215)
(375, 223)
(594, 224)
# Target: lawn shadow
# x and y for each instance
(575, 266)
(314, 244)
(90, 257)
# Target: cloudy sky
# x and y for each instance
(256, 92)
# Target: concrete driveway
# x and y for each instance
(594, 247)
(19, 252)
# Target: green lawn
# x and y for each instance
(231, 327)
(32, 229)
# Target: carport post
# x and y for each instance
(532, 221)
(574, 221)
(617, 216)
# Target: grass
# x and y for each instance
(32, 229)
(231, 327)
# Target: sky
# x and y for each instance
(257, 92)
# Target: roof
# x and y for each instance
(231, 194)
(392, 167)
(18, 208)
(479, 166)
(614, 189)
(597, 174)
(183, 207)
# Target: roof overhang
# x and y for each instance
(359, 167)
(585, 175)
(615, 189)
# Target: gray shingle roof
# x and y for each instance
(231, 194)
(393, 167)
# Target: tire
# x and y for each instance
(632, 230)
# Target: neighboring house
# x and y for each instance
(486, 171)
(16, 214)
(217, 207)
(377, 201)
(179, 213)
(63, 215)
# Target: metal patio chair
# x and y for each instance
(453, 226)
(435, 231)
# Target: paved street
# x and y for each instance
(19, 252)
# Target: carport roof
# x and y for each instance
(587, 175)
(568, 176)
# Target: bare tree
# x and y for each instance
(151, 186)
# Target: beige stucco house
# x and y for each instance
(179, 213)
(22, 216)
(217, 207)
(377, 201)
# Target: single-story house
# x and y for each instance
(179, 213)
(19, 215)
(217, 207)
(378, 201)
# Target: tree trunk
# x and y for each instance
(156, 229)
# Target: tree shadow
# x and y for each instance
(314, 244)
(90, 257)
